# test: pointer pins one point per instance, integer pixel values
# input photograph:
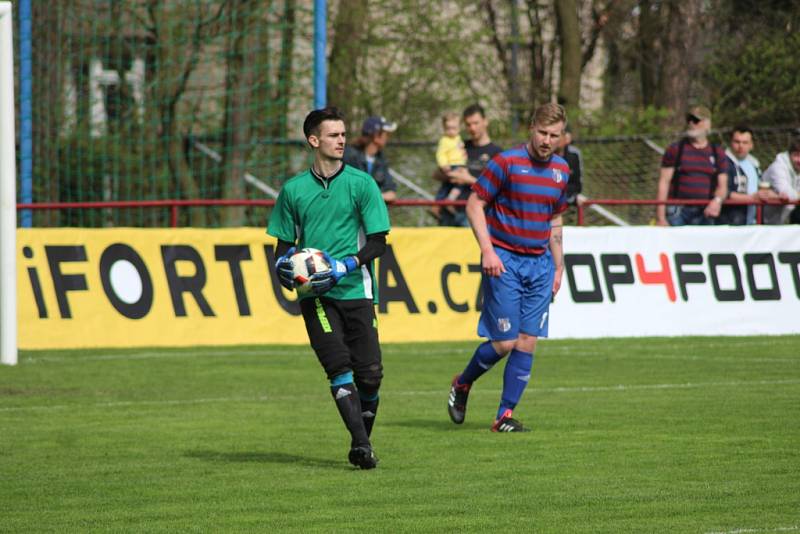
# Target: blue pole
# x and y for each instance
(320, 41)
(25, 113)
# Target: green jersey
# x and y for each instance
(333, 215)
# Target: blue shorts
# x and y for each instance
(519, 299)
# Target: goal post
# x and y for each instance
(8, 193)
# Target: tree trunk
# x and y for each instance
(649, 36)
(172, 142)
(284, 88)
(347, 53)
(175, 66)
(680, 39)
(571, 58)
(239, 79)
(538, 88)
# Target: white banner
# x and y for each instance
(646, 281)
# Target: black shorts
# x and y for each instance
(344, 335)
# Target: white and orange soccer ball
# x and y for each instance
(305, 263)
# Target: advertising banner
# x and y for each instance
(126, 287)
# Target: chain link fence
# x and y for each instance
(147, 100)
(613, 168)
(201, 99)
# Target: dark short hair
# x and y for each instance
(472, 109)
(741, 128)
(794, 144)
(317, 117)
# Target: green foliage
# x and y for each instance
(629, 435)
(626, 121)
(757, 82)
(422, 61)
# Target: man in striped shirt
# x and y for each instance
(693, 168)
(515, 212)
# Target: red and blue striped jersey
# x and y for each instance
(522, 196)
(697, 171)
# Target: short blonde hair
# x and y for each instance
(549, 114)
(450, 116)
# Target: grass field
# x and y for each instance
(642, 435)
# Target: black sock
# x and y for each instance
(349, 406)
(369, 410)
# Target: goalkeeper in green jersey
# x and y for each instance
(338, 209)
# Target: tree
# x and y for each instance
(752, 76)
(571, 58)
(189, 24)
(680, 39)
(670, 50)
(239, 79)
(347, 54)
(47, 88)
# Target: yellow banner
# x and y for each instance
(126, 287)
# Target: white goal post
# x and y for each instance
(8, 193)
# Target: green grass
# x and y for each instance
(641, 435)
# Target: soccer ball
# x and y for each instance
(306, 262)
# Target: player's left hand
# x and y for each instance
(323, 282)
(283, 266)
(557, 281)
(492, 264)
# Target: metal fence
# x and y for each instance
(198, 99)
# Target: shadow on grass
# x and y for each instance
(267, 457)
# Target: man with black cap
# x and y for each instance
(366, 154)
(693, 168)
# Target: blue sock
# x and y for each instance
(483, 360)
(515, 379)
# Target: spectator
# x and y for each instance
(784, 176)
(480, 150)
(366, 154)
(743, 179)
(693, 168)
(574, 159)
(450, 155)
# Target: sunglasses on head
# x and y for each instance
(693, 119)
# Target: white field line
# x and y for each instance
(793, 528)
(232, 353)
(544, 351)
(217, 353)
(421, 393)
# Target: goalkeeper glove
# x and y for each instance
(323, 282)
(285, 269)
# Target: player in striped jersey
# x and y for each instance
(515, 212)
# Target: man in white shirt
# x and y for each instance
(784, 177)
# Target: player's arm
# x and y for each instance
(282, 248)
(283, 263)
(282, 226)
(664, 179)
(491, 263)
(557, 250)
(373, 248)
